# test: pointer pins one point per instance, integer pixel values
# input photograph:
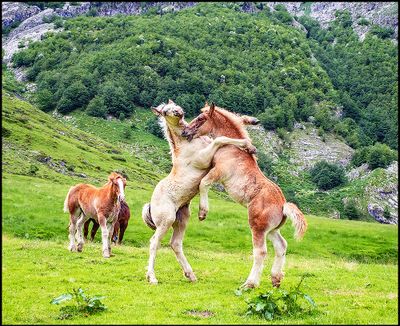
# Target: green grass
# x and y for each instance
(353, 266)
(347, 259)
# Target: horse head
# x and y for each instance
(170, 111)
(213, 120)
(119, 183)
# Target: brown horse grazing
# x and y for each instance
(238, 171)
(85, 201)
(120, 226)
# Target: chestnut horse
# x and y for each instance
(85, 201)
(171, 197)
(238, 171)
(119, 228)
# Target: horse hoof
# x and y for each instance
(151, 279)
(79, 247)
(248, 285)
(106, 254)
(202, 214)
(252, 150)
(276, 281)
(72, 248)
(191, 277)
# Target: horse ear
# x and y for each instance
(247, 120)
(157, 110)
(170, 101)
(212, 108)
(206, 104)
(154, 110)
(112, 177)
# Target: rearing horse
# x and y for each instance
(171, 197)
(238, 171)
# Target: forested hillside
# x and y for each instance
(312, 86)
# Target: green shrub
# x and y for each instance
(378, 155)
(351, 212)
(327, 175)
(96, 107)
(33, 169)
(265, 163)
(382, 32)
(45, 100)
(386, 213)
(363, 22)
(127, 132)
(279, 303)
(83, 304)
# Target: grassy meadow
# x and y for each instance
(352, 266)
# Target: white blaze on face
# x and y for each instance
(121, 189)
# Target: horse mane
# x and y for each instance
(168, 135)
(234, 119)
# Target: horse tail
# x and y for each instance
(146, 216)
(298, 220)
(66, 209)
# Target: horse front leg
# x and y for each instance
(79, 225)
(104, 235)
(204, 157)
(72, 231)
(176, 242)
(212, 176)
(259, 254)
(110, 229)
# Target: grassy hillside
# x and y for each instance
(36, 144)
(344, 260)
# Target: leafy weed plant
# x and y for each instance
(84, 305)
(279, 303)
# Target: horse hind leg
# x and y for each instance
(86, 229)
(259, 254)
(280, 246)
(167, 216)
(123, 225)
(176, 242)
(95, 227)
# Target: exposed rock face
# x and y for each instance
(384, 195)
(309, 148)
(380, 13)
(13, 12)
(268, 140)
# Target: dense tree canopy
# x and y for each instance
(248, 63)
(257, 64)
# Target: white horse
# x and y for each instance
(171, 197)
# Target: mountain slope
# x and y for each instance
(34, 143)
